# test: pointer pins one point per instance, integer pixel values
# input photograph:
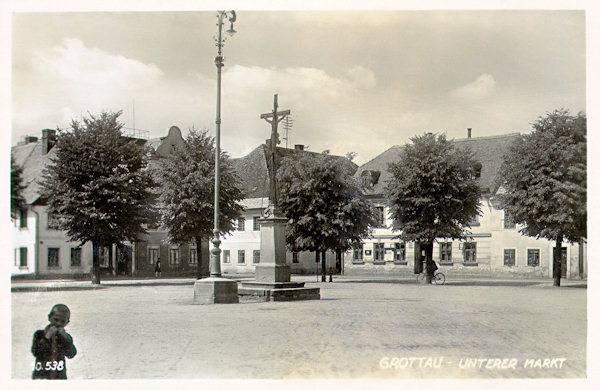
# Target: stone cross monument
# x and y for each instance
(272, 278)
(273, 157)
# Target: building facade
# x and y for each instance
(42, 250)
(493, 248)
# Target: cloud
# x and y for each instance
(73, 62)
(481, 88)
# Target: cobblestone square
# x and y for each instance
(361, 328)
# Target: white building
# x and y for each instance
(493, 248)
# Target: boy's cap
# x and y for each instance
(61, 308)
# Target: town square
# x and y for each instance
(294, 195)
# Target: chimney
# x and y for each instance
(469, 132)
(48, 140)
(299, 147)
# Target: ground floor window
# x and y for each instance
(533, 257)
(21, 257)
(470, 252)
(241, 256)
(378, 250)
(226, 256)
(400, 252)
(174, 256)
(153, 255)
(52, 257)
(357, 254)
(509, 257)
(255, 256)
(295, 258)
(104, 253)
(75, 257)
(445, 252)
(193, 256)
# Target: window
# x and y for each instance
(445, 252)
(53, 222)
(470, 252)
(357, 254)
(23, 218)
(21, 257)
(295, 258)
(226, 256)
(241, 256)
(508, 221)
(193, 256)
(255, 224)
(153, 255)
(379, 217)
(474, 221)
(509, 257)
(104, 254)
(378, 250)
(174, 256)
(533, 257)
(255, 256)
(52, 257)
(75, 257)
(400, 252)
(241, 223)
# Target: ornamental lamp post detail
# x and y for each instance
(216, 289)
(215, 260)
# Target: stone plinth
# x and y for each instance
(290, 291)
(215, 290)
(272, 278)
(273, 266)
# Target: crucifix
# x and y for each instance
(274, 118)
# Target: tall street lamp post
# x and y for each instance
(216, 289)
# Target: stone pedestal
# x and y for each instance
(272, 279)
(215, 290)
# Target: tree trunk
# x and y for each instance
(323, 267)
(557, 261)
(428, 248)
(95, 263)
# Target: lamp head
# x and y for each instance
(231, 31)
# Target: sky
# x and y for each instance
(354, 80)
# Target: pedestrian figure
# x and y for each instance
(51, 345)
(157, 269)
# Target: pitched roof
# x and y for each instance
(29, 156)
(253, 172)
(488, 150)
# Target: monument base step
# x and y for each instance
(281, 294)
(272, 285)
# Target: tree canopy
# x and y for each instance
(433, 192)
(325, 205)
(187, 179)
(97, 184)
(17, 201)
(544, 178)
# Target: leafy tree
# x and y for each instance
(544, 176)
(187, 179)
(433, 192)
(325, 206)
(17, 202)
(98, 184)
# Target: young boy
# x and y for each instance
(51, 345)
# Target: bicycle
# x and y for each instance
(437, 278)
